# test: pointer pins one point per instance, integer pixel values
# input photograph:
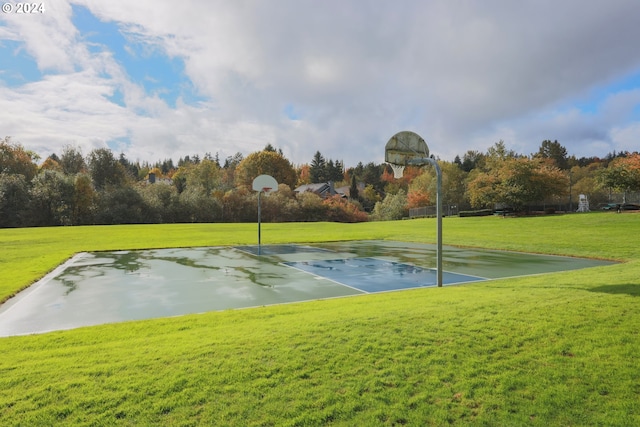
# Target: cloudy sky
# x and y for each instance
(164, 79)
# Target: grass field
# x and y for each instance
(557, 349)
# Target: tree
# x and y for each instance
(84, 200)
(394, 206)
(51, 163)
(497, 154)
(369, 197)
(131, 168)
(453, 184)
(622, 174)
(311, 207)
(555, 152)
(72, 161)
(482, 189)
(240, 205)
(372, 174)
(105, 169)
(121, 205)
(335, 171)
(418, 198)
(517, 182)
(267, 163)
(471, 160)
(583, 181)
(229, 171)
(422, 190)
(339, 209)
(162, 201)
(14, 200)
(15, 160)
(205, 175)
(304, 175)
(280, 205)
(318, 169)
(353, 188)
(199, 205)
(51, 198)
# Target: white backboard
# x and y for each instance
(265, 183)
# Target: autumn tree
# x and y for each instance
(517, 182)
(51, 163)
(583, 181)
(422, 189)
(339, 209)
(267, 163)
(304, 175)
(205, 175)
(622, 174)
(15, 160)
(84, 200)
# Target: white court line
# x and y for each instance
(323, 277)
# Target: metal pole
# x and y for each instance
(438, 213)
(259, 237)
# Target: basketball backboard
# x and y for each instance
(405, 146)
(265, 184)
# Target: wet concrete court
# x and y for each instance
(106, 287)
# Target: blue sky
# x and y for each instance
(156, 81)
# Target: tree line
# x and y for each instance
(70, 188)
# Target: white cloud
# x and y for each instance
(463, 75)
(626, 138)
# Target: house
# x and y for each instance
(346, 190)
(323, 189)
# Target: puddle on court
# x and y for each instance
(490, 264)
(111, 287)
(107, 287)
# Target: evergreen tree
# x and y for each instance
(318, 169)
(554, 151)
(353, 189)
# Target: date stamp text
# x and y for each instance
(23, 8)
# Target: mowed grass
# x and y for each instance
(555, 349)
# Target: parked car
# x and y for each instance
(621, 206)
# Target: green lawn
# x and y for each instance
(556, 349)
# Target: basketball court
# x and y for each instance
(107, 287)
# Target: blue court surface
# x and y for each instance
(376, 275)
(107, 287)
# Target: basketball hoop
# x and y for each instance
(408, 148)
(398, 170)
(264, 184)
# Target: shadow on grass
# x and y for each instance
(630, 289)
